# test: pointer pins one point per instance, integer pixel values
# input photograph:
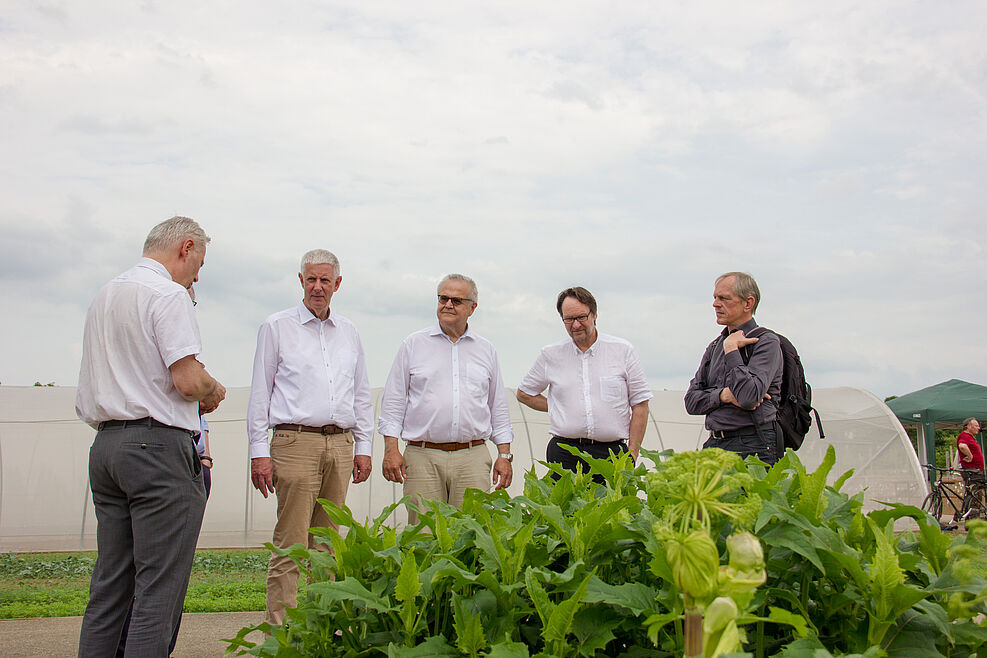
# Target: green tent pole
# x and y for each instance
(929, 430)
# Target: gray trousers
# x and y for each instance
(149, 498)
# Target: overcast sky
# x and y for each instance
(834, 150)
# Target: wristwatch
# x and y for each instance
(505, 455)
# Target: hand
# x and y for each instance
(211, 401)
(503, 473)
(393, 466)
(726, 397)
(635, 452)
(735, 341)
(206, 461)
(361, 468)
(262, 474)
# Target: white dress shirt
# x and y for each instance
(445, 392)
(138, 325)
(309, 372)
(590, 394)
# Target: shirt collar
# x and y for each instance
(747, 327)
(305, 316)
(592, 348)
(436, 330)
(155, 267)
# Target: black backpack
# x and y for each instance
(795, 408)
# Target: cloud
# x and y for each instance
(834, 151)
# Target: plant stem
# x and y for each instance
(693, 632)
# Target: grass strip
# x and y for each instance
(57, 584)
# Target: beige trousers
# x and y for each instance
(440, 475)
(307, 466)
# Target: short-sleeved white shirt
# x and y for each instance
(590, 394)
(139, 324)
(445, 392)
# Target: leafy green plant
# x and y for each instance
(770, 561)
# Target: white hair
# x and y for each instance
(172, 232)
(319, 257)
(474, 295)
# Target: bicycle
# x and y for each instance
(970, 496)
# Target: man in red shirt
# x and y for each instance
(971, 457)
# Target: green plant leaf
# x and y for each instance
(560, 619)
(508, 649)
(470, 638)
(433, 647)
(636, 597)
(350, 589)
(408, 585)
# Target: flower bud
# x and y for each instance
(695, 564)
(745, 552)
(719, 613)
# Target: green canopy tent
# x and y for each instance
(949, 403)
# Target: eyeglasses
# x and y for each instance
(581, 319)
(456, 301)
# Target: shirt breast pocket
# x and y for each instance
(613, 389)
(477, 379)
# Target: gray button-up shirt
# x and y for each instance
(748, 383)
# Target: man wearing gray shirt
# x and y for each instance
(739, 377)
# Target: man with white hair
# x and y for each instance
(310, 386)
(142, 388)
(444, 396)
(738, 384)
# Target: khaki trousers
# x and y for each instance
(440, 475)
(307, 466)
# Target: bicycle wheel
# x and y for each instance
(933, 504)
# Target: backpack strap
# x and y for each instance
(745, 353)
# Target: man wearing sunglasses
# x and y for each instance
(597, 399)
(444, 396)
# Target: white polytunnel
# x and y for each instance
(44, 451)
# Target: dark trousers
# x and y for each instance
(597, 449)
(749, 444)
(122, 647)
(149, 498)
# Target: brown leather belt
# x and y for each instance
(325, 429)
(448, 447)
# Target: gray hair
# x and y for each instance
(172, 232)
(474, 295)
(968, 422)
(744, 286)
(319, 257)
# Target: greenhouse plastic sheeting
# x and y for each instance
(44, 451)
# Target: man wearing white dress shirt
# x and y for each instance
(597, 393)
(310, 386)
(142, 388)
(444, 396)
